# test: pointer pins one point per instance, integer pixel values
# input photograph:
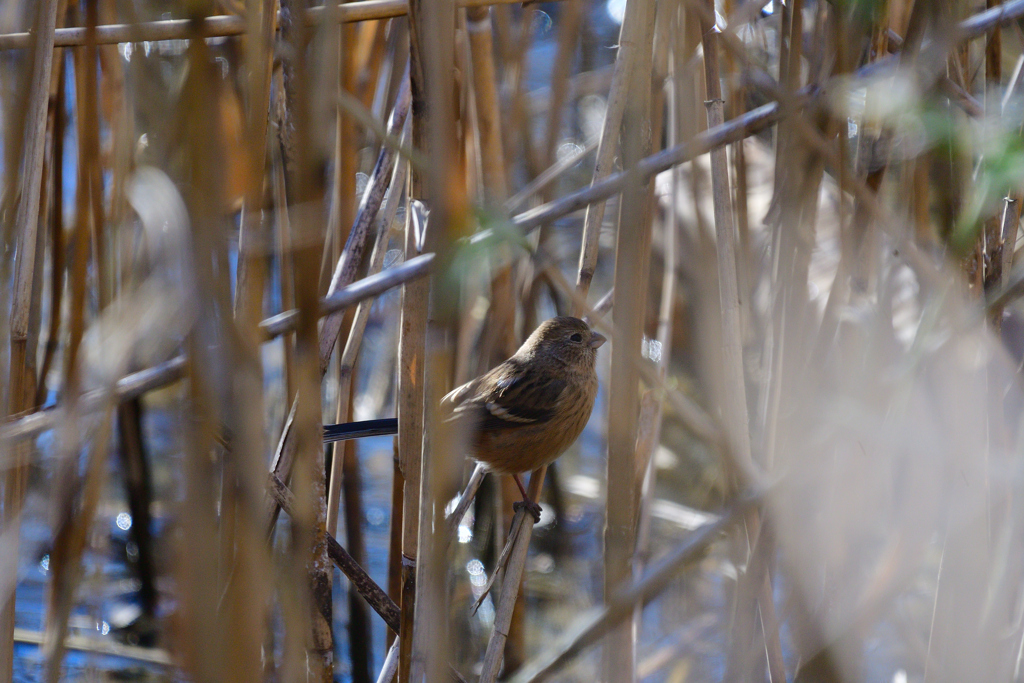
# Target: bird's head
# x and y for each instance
(569, 340)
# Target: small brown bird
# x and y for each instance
(524, 413)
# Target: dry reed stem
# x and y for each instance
(568, 37)
(309, 562)
(741, 127)
(590, 627)
(374, 595)
(344, 273)
(340, 50)
(138, 383)
(433, 37)
(734, 409)
(21, 375)
(632, 267)
(411, 363)
(57, 251)
(351, 258)
(283, 242)
(245, 559)
(346, 363)
(218, 26)
(551, 174)
(670, 248)
(103, 646)
(511, 582)
(409, 406)
(631, 44)
(488, 105)
(390, 666)
(252, 237)
(465, 500)
(394, 586)
(70, 541)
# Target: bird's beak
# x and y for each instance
(596, 339)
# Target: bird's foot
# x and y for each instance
(531, 507)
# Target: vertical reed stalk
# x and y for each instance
(568, 38)
(346, 364)
(21, 386)
(488, 107)
(734, 390)
(412, 356)
(306, 186)
(632, 266)
(410, 435)
(522, 527)
(433, 26)
(632, 48)
(346, 463)
(253, 246)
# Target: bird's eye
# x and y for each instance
(576, 337)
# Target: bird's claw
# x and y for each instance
(531, 507)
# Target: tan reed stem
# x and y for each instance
(432, 24)
(21, 374)
(218, 26)
(511, 583)
(346, 363)
(590, 627)
(734, 391)
(488, 105)
(631, 48)
(253, 244)
(412, 342)
(632, 265)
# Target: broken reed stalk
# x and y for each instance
(631, 44)
(373, 198)
(632, 265)
(21, 373)
(465, 500)
(511, 582)
(390, 666)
